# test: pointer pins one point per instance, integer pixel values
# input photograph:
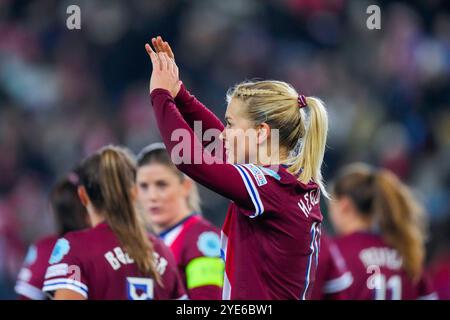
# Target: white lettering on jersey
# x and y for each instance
(308, 202)
(161, 263)
(381, 257)
(117, 258)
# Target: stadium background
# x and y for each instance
(65, 93)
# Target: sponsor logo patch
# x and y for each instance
(258, 174)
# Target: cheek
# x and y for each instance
(143, 194)
(171, 194)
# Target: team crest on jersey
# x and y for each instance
(208, 243)
(140, 288)
(31, 255)
(61, 248)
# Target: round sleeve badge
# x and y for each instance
(208, 244)
(61, 248)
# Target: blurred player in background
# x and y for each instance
(271, 232)
(115, 259)
(382, 235)
(333, 278)
(170, 201)
(439, 266)
(69, 215)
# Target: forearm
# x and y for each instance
(193, 110)
(193, 160)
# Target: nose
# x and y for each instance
(152, 194)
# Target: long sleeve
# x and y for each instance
(193, 110)
(197, 162)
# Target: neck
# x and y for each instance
(182, 214)
(96, 219)
(357, 224)
(268, 158)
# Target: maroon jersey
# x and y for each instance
(377, 270)
(440, 275)
(93, 264)
(31, 276)
(332, 276)
(195, 244)
(271, 232)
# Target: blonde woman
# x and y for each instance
(170, 202)
(271, 232)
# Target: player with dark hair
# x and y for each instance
(271, 232)
(170, 201)
(381, 230)
(115, 259)
(333, 278)
(69, 215)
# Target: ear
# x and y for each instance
(263, 132)
(82, 194)
(187, 186)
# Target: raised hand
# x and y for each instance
(165, 72)
(162, 46)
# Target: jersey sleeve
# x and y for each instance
(197, 162)
(261, 188)
(193, 110)
(337, 278)
(30, 278)
(65, 269)
(425, 288)
(204, 268)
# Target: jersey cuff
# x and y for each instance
(431, 296)
(338, 284)
(63, 283)
(27, 290)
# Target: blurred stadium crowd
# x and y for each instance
(65, 93)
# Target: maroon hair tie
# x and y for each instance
(301, 101)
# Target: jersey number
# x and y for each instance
(382, 285)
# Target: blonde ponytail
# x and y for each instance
(277, 104)
(307, 164)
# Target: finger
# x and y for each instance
(175, 70)
(168, 50)
(155, 44)
(164, 61)
(153, 57)
(149, 49)
(159, 41)
(172, 66)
